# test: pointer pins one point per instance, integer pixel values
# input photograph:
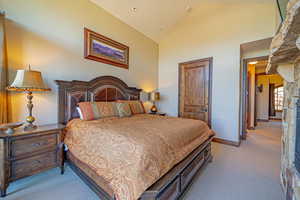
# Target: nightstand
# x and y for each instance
(158, 113)
(25, 153)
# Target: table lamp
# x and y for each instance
(28, 81)
(154, 96)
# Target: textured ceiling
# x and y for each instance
(155, 17)
(151, 17)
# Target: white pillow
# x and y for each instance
(80, 113)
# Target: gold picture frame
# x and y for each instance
(103, 49)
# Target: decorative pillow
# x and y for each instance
(136, 107)
(97, 110)
(123, 109)
(79, 112)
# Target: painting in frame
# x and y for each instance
(103, 49)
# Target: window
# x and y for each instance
(278, 93)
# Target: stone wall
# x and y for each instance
(289, 177)
(284, 59)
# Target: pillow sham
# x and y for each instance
(79, 112)
(136, 106)
(97, 110)
(123, 109)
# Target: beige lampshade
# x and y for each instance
(28, 80)
(154, 96)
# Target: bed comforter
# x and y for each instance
(132, 153)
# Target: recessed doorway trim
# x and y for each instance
(243, 92)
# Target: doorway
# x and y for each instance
(262, 95)
(195, 85)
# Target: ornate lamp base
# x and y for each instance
(153, 109)
(30, 119)
(29, 127)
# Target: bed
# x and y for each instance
(144, 157)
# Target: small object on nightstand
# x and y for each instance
(25, 153)
(158, 113)
(9, 127)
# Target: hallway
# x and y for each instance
(250, 172)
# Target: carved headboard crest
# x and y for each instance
(103, 88)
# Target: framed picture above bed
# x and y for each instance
(103, 49)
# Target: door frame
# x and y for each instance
(243, 91)
(210, 68)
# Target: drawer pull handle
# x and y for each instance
(38, 144)
(206, 152)
(38, 161)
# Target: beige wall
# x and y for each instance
(48, 34)
(262, 98)
(216, 28)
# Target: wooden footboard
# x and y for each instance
(170, 187)
(90, 178)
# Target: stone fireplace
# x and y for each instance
(297, 139)
(285, 60)
(290, 178)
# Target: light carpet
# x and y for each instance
(250, 172)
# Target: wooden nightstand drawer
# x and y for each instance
(27, 152)
(33, 144)
(33, 165)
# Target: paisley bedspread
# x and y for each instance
(132, 153)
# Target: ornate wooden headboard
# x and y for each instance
(103, 88)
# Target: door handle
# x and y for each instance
(204, 110)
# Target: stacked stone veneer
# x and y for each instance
(284, 59)
(289, 176)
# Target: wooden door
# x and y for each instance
(195, 89)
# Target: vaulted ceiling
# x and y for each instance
(151, 17)
(155, 17)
